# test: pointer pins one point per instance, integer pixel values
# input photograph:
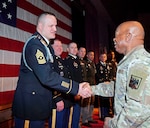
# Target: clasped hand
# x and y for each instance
(85, 90)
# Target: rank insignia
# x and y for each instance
(75, 64)
(89, 66)
(40, 57)
(60, 65)
(134, 82)
(101, 68)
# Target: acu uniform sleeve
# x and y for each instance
(136, 110)
(104, 89)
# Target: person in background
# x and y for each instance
(73, 64)
(62, 102)
(103, 75)
(81, 55)
(111, 60)
(132, 88)
(113, 56)
(88, 103)
(32, 102)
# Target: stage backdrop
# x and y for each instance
(17, 23)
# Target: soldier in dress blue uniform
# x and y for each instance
(32, 102)
(62, 102)
(73, 64)
(103, 75)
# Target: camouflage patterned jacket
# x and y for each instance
(132, 91)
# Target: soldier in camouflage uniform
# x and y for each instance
(132, 89)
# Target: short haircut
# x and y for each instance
(42, 15)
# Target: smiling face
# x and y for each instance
(120, 43)
(47, 26)
(57, 46)
(128, 35)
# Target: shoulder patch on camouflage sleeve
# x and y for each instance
(40, 57)
(136, 82)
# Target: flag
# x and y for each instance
(8, 15)
(17, 24)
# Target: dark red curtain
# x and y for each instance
(98, 27)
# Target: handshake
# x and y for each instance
(105, 89)
(85, 90)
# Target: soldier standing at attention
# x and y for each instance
(111, 60)
(32, 102)
(61, 101)
(81, 55)
(132, 88)
(73, 64)
(103, 75)
(88, 103)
